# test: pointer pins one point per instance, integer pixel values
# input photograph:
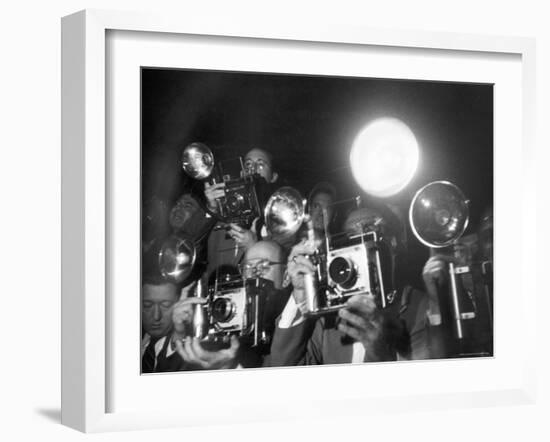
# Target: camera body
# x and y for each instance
(245, 308)
(240, 203)
(348, 270)
(353, 265)
(229, 308)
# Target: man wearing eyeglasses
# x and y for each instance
(265, 260)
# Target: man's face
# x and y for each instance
(321, 202)
(187, 216)
(258, 161)
(156, 308)
(266, 259)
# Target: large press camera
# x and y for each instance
(240, 204)
(243, 307)
(235, 305)
(357, 261)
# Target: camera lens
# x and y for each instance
(342, 272)
(234, 203)
(223, 309)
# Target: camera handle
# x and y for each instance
(310, 279)
(456, 306)
(218, 202)
(199, 317)
(378, 265)
(256, 313)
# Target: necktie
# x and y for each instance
(148, 361)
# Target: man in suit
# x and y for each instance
(158, 298)
(165, 346)
(358, 332)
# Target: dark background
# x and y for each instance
(309, 124)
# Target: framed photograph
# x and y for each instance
(244, 200)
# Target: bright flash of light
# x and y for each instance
(384, 157)
(182, 259)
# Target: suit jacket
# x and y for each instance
(315, 342)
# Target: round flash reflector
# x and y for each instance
(384, 157)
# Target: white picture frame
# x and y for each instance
(86, 233)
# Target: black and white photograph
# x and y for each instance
(291, 220)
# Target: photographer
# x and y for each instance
(300, 341)
(474, 288)
(228, 245)
(266, 260)
(263, 260)
(190, 350)
(321, 201)
(359, 332)
(186, 217)
(158, 298)
(165, 346)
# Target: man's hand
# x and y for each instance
(299, 262)
(436, 269)
(363, 321)
(192, 352)
(298, 265)
(213, 192)
(435, 274)
(182, 314)
(243, 237)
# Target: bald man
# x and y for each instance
(265, 259)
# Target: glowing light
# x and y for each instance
(384, 157)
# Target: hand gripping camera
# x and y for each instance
(240, 204)
(348, 263)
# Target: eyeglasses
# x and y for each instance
(257, 269)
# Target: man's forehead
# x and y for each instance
(322, 197)
(262, 250)
(258, 154)
(161, 291)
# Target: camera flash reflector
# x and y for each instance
(384, 157)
